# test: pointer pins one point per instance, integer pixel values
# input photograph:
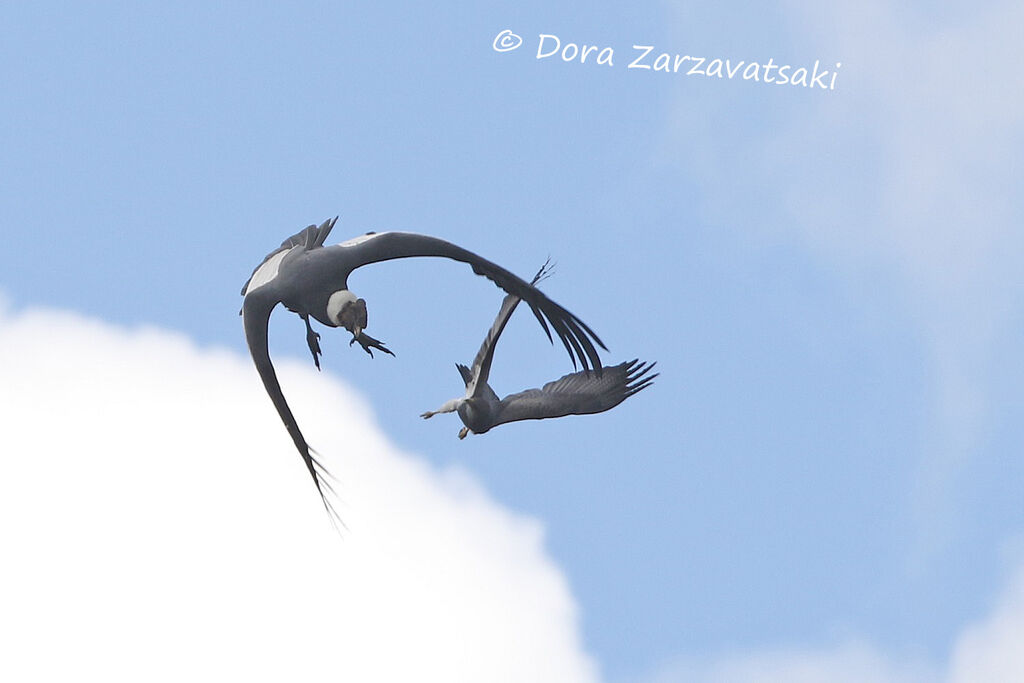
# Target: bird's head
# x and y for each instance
(345, 310)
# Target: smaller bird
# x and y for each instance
(578, 393)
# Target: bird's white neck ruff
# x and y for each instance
(337, 302)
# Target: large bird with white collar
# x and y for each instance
(312, 280)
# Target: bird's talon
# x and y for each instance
(368, 343)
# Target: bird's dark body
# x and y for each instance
(478, 415)
(307, 282)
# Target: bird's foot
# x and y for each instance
(313, 339)
(463, 432)
(368, 343)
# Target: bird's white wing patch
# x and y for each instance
(359, 240)
(268, 270)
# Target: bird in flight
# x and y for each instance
(311, 279)
(579, 393)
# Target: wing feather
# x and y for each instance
(310, 237)
(256, 309)
(579, 393)
(481, 368)
(577, 338)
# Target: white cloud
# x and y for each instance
(848, 663)
(993, 648)
(903, 180)
(158, 525)
(988, 650)
(934, 109)
(911, 170)
(913, 165)
(911, 162)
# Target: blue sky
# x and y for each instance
(829, 281)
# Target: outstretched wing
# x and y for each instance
(580, 393)
(574, 334)
(256, 311)
(481, 368)
(310, 237)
